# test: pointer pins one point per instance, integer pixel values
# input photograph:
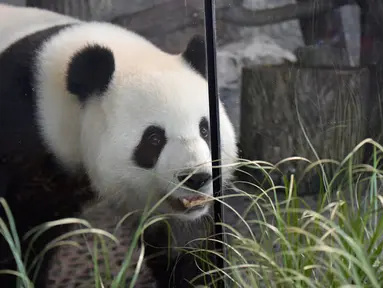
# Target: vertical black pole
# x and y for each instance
(210, 30)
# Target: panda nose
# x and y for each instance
(196, 181)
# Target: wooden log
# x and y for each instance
(166, 16)
(375, 115)
(167, 23)
(245, 17)
(322, 56)
(191, 11)
(171, 24)
(287, 110)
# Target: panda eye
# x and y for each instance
(204, 132)
(154, 139)
(204, 128)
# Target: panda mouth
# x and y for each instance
(190, 203)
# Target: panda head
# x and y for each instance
(135, 117)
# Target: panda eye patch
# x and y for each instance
(150, 147)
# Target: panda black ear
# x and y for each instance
(195, 54)
(90, 71)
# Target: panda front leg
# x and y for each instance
(173, 263)
(177, 269)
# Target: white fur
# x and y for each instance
(149, 86)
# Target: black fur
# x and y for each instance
(152, 142)
(177, 267)
(18, 131)
(90, 71)
(34, 186)
(195, 54)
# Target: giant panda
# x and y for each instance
(106, 119)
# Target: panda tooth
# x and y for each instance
(194, 201)
(186, 202)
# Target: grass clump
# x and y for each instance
(332, 239)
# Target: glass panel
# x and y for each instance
(300, 83)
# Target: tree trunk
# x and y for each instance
(282, 105)
(371, 55)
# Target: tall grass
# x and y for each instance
(335, 241)
(282, 239)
